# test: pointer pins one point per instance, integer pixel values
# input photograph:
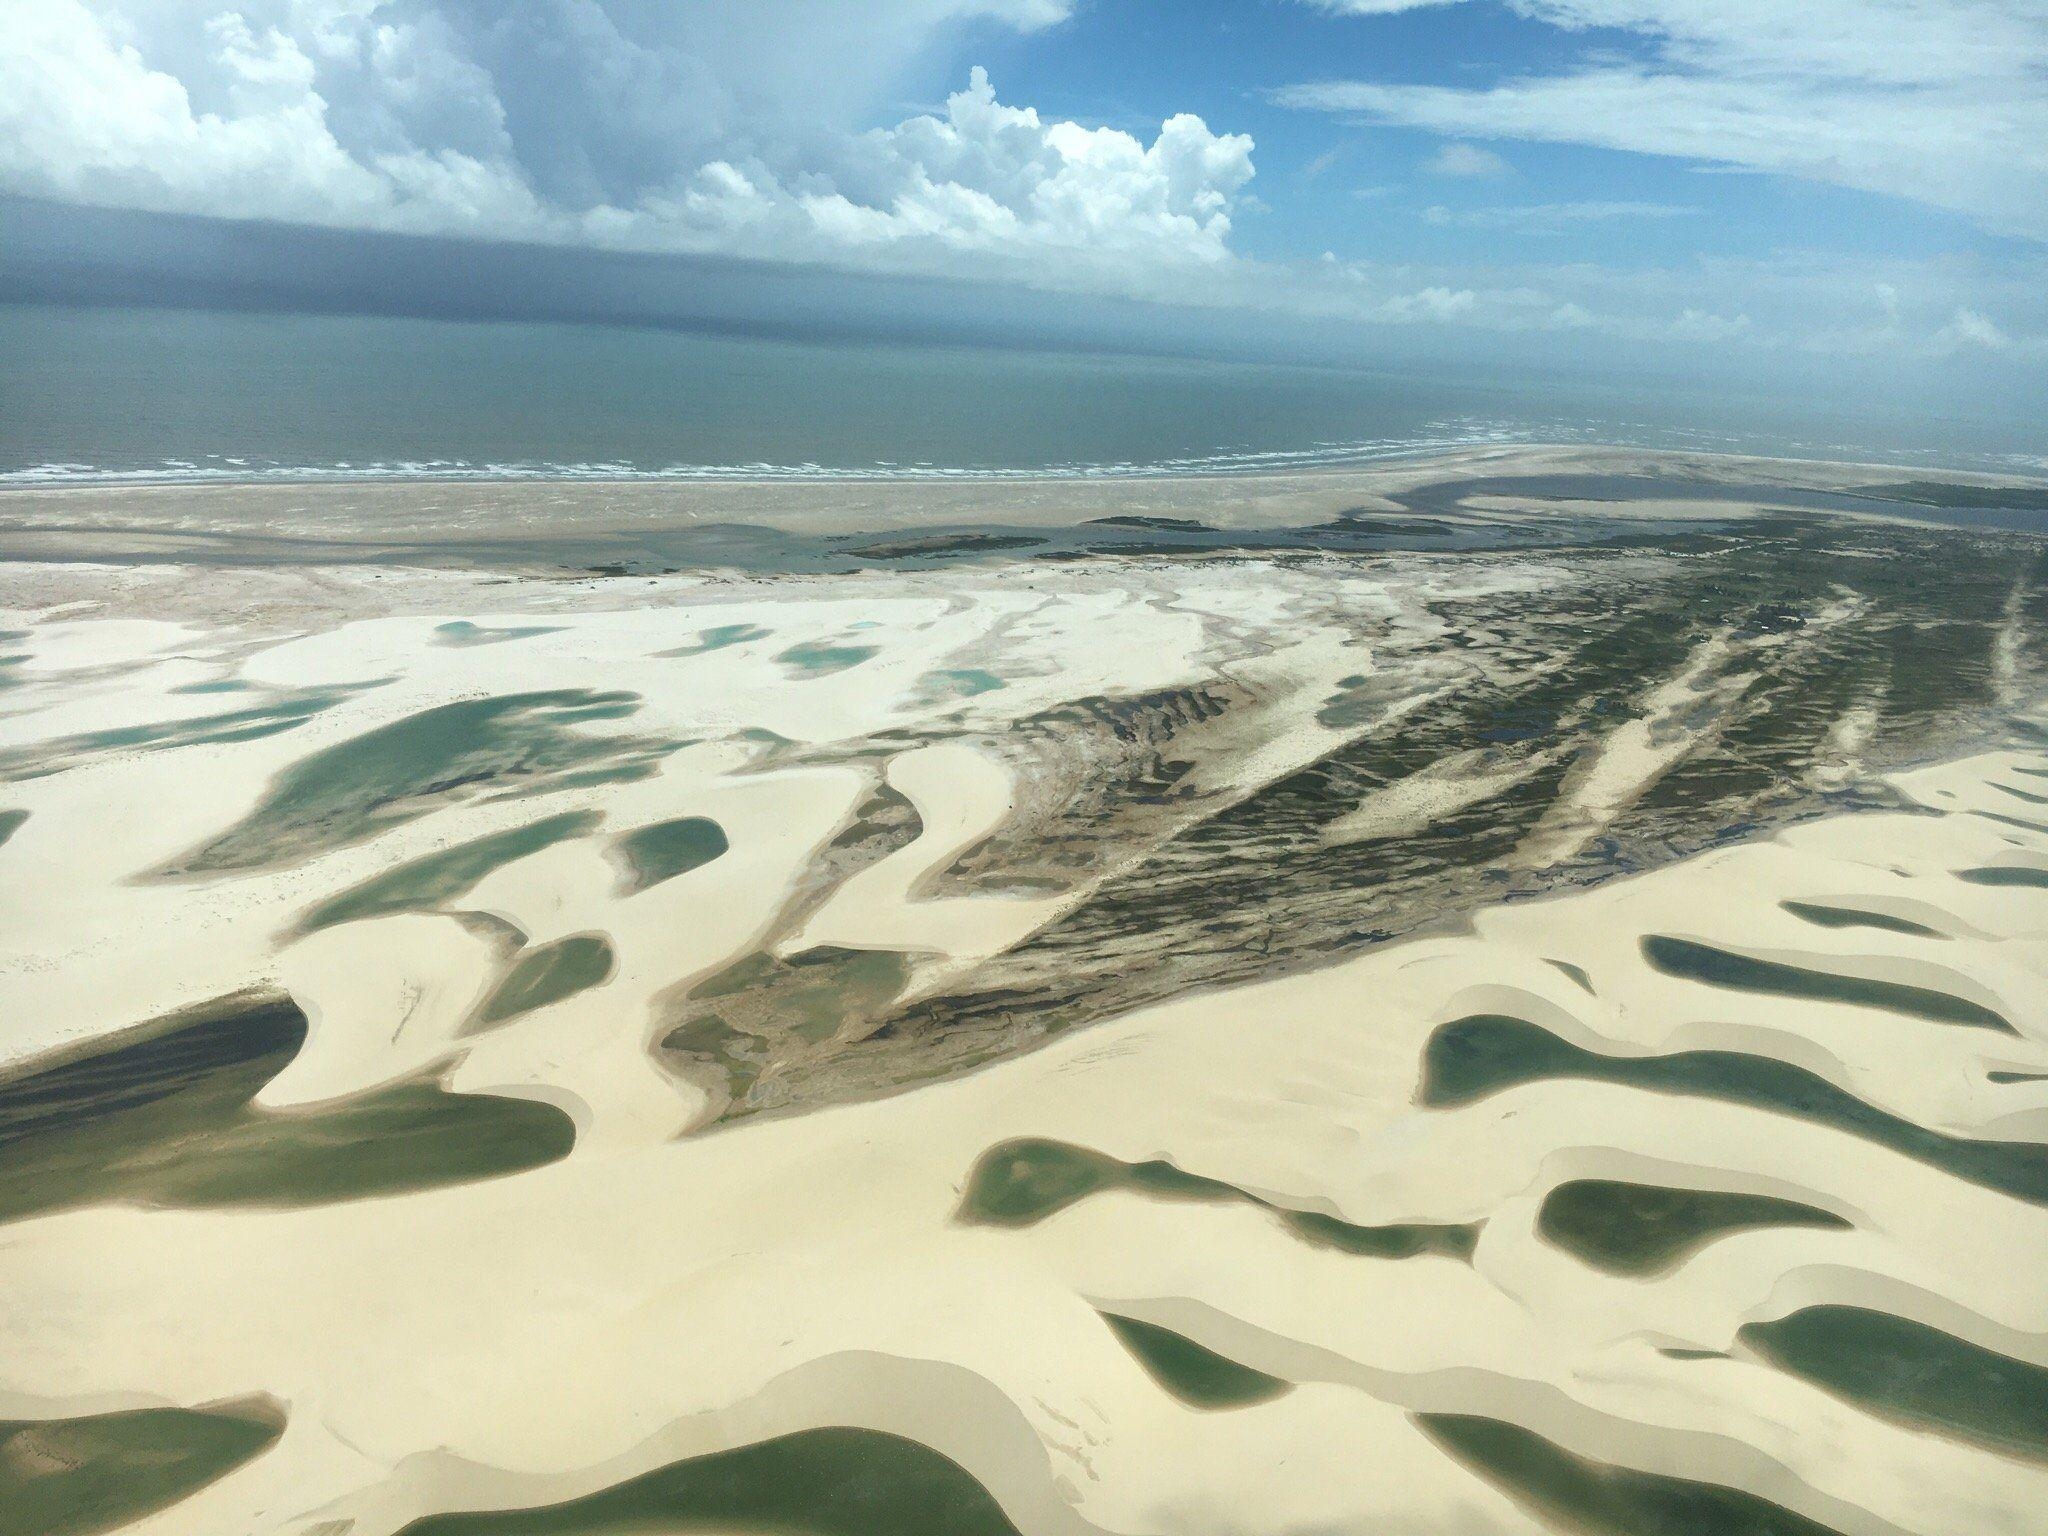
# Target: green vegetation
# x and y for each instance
(1812, 621)
(765, 1003)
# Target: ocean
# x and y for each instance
(105, 394)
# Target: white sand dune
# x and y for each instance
(656, 1295)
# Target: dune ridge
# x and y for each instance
(1515, 1174)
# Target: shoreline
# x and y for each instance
(682, 477)
(1454, 498)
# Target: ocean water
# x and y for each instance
(89, 394)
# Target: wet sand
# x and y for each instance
(644, 526)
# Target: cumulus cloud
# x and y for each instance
(751, 130)
(626, 125)
(1939, 101)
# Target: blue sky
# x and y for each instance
(1860, 179)
(1366, 187)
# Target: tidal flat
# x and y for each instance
(1499, 993)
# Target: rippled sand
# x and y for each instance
(1544, 1037)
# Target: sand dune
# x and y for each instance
(536, 1112)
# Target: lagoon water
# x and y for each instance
(180, 394)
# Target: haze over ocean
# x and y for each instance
(94, 392)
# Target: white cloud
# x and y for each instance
(1461, 159)
(1970, 329)
(1940, 101)
(1552, 218)
(1376, 7)
(1433, 303)
(674, 130)
(1313, 169)
(694, 126)
(1704, 325)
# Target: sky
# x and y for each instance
(1852, 182)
